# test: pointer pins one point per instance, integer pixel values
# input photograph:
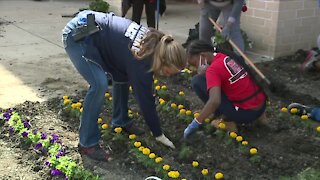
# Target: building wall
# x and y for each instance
(280, 27)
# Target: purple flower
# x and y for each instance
(54, 138)
(6, 116)
(11, 130)
(35, 132)
(47, 163)
(38, 146)
(66, 178)
(24, 134)
(56, 172)
(26, 124)
(43, 136)
(60, 153)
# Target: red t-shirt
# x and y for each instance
(234, 81)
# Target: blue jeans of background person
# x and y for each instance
(206, 30)
(226, 108)
(315, 114)
(93, 102)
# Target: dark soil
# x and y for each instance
(285, 148)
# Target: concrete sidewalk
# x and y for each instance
(33, 63)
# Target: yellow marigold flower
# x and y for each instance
(162, 102)
(66, 101)
(218, 175)
(245, 143)
(207, 120)
(158, 88)
(195, 164)
(146, 151)
(318, 129)
(222, 125)
(304, 117)
(160, 99)
(152, 155)
(130, 116)
(284, 109)
(141, 148)
(174, 174)
(130, 88)
(183, 179)
(196, 115)
(180, 106)
(174, 105)
(81, 109)
(166, 167)
(104, 126)
(155, 81)
(233, 134)
(158, 159)
(110, 98)
(79, 104)
(182, 111)
(239, 138)
(253, 151)
(164, 87)
(107, 95)
(294, 110)
(188, 112)
(132, 136)
(181, 93)
(100, 120)
(118, 130)
(65, 97)
(204, 172)
(137, 144)
(129, 111)
(74, 106)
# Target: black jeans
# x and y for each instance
(226, 107)
(137, 7)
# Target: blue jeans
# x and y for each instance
(93, 73)
(226, 107)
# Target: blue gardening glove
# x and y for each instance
(226, 32)
(192, 127)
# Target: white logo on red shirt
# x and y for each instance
(236, 71)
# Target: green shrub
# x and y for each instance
(99, 5)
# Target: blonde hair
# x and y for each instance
(166, 51)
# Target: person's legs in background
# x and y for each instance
(137, 7)
(125, 6)
(235, 35)
(206, 30)
(150, 9)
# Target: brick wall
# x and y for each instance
(280, 27)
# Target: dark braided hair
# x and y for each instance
(199, 46)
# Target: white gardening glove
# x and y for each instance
(164, 140)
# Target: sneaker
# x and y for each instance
(308, 64)
(230, 126)
(95, 152)
(132, 129)
(302, 109)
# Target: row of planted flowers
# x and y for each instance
(183, 114)
(299, 120)
(48, 145)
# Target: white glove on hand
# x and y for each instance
(164, 140)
